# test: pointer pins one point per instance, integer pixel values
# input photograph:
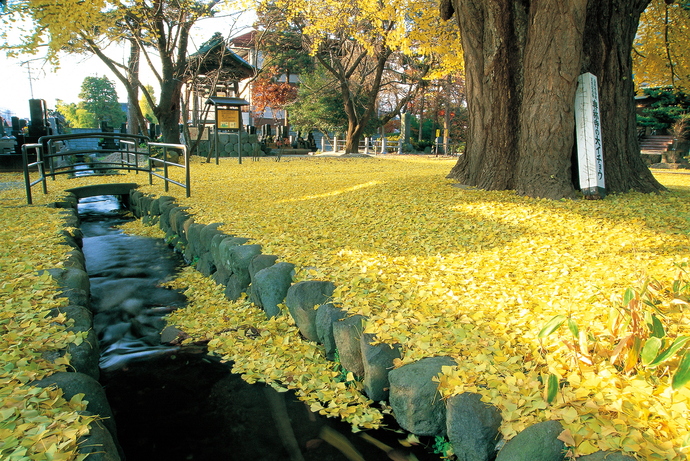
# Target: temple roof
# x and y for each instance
(223, 101)
(214, 55)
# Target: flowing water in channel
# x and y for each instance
(177, 403)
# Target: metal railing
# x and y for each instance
(53, 157)
(366, 145)
(165, 162)
(38, 148)
(378, 146)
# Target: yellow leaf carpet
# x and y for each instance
(443, 270)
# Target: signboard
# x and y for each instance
(590, 154)
(228, 119)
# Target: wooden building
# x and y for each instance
(213, 71)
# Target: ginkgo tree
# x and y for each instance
(661, 55)
(157, 32)
(522, 62)
(355, 42)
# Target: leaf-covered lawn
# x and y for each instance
(471, 274)
(35, 423)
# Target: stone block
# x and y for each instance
(417, 405)
(206, 235)
(205, 265)
(166, 204)
(377, 360)
(73, 383)
(539, 442)
(271, 285)
(302, 300)
(326, 315)
(235, 286)
(214, 248)
(85, 356)
(221, 276)
(472, 427)
(99, 445)
(177, 217)
(259, 262)
(347, 334)
(194, 248)
(74, 284)
(235, 256)
(74, 259)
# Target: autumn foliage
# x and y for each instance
(35, 423)
(540, 302)
(267, 92)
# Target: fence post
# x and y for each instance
(27, 180)
(187, 172)
(239, 147)
(165, 166)
(323, 144)
(366, 145)
(335, 144)
(151, 164)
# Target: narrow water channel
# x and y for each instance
(178, 403)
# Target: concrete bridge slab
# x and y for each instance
(103, 189)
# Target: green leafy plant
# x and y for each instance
(443, 447)
(344, 376)
(638, 333)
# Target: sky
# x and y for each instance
(65, 83)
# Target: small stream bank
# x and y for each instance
(177, 403)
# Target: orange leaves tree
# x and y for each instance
(267, 92)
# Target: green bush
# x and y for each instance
(665, 111)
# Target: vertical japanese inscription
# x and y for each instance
(589, 142)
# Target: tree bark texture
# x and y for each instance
(609, 34)
(135, 119)
(522, 61)
(168, 110)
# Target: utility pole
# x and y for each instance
(31, 86)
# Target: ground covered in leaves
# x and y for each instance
(35, 423)
(572, 310)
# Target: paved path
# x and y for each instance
(11, 185)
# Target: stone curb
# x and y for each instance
(101, 444)
(468, 423)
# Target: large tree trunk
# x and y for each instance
(522, 60)
(168, 109)
(493, 50)
(168, 113)
(352, 138)
(552, 64)
(610, 30)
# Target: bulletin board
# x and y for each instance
(228, 119)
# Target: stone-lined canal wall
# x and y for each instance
(472, 426)
(101, 443)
